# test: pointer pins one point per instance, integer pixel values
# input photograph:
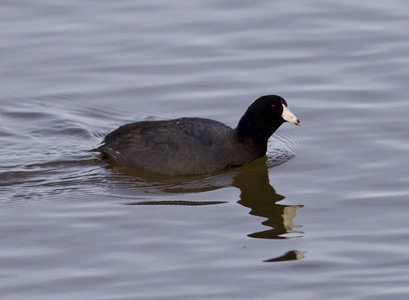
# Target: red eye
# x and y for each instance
(283, 102)
(273, 106)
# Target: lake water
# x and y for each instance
(324, 216)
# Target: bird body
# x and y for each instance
(189, 146)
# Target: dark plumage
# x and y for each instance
(190, 146)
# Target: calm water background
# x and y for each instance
(330, 223)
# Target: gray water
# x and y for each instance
(323, 216)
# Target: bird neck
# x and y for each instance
(253, 132)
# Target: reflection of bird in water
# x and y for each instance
(290, 255)
(258, 195)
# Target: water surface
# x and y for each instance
(323, 216)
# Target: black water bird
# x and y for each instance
(190, 146)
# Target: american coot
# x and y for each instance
(189, 146)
